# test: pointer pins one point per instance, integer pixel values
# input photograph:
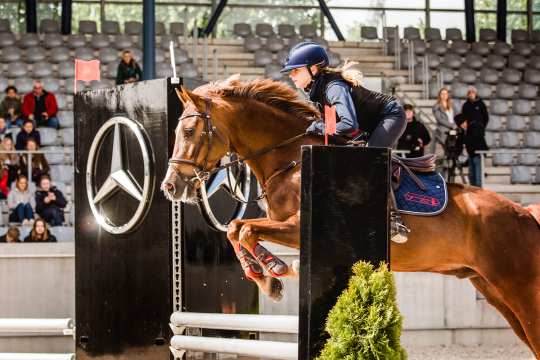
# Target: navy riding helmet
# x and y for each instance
(305, 54)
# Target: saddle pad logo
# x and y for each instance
(421, 199)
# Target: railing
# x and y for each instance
(29, 327)
(30, 153)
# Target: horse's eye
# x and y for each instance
(188, 132)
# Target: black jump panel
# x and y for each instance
(344, 219)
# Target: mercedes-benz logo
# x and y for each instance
(239, 189)
(120, 177)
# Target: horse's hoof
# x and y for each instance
(276, 290)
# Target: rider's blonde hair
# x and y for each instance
(349, 71)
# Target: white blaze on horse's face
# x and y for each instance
(194, 151)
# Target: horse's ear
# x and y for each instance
(180, 94)
(233, 78)
(187, 96)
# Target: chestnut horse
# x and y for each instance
(481, 235)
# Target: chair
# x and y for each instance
(516, 123)
(438, 47)
(286, 30)
(49, 26)
(110, 27)
(532, 139)
(49, 136)
(535, 36)
(453, 34)
(84, 53)
(5, 27)
(528, 158)
(188, 70)
(65, 118)
(432, 34)
(272, 71)
(511, 76)
(176, 28)
(123, 42)
(307, 31)
(264, 30)
(59, 55)
(537, 106)
(467, 75)
(43, 70)
(498, 107)
(495, 124)
(54, 155)
(369, 33)
(519, 36)
(460, 47)
(274, 44)
(390, 32)
(252, 44)
(484, 90)
(459, 90)
(503, 159)
(419, 47)
(160, 28)
(100, 41)
(7, 39)
(180, 56)
(520, 175)
(488, 35)
(502, 49)
(159, 55)
(87, 27)
(108, 55)
(50, 84)
(474, 61)
(505, 91)
(262, 57)
(496, 62)
(411, 33)
(132, 28)
(28, 40)
(61, 101)
(52, 41)
(242, 30)
(163, 70)
(523, 49)
(24, 84)
(491, 140)
(452, 61)
(532, 76)
(517, 62)
(481, 48)
(489, 76)
(534, 124)
(534, 62)
(67, 137)
(509, 140)
(76, 41)
(11, 54)
(522, 107)
(63, 233)
(16, 70)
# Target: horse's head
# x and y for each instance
(198, 147)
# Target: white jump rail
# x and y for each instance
(36, 356)
(37, 326)
(242, 322)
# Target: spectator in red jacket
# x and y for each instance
(40, 107)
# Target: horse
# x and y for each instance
(481, 235)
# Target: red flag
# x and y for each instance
(329, 122)
(86, 71)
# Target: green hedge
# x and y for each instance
(365, 323)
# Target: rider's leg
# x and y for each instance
(391, 127)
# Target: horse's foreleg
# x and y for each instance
(281, 232)
(494, 299)
(252, 270)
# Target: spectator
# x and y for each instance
(4, 177)
(50, 202)
(40, 106)
(11, 235)
(27, 132)
(21, 202)
(3, 128)
(416, 136)
(40, 165)
(128, 69)
(10, 159)
(475, 119)
(10, 108)
(446, 109)
(40, 233)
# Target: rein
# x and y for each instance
(203, 174)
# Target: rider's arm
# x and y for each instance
(338, 94)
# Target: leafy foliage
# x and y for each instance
(365, 323)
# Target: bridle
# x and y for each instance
(202, 173)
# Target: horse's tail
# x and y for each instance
(534, 210)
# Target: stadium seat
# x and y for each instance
(163, 70)
(307, 31)
(537, 106)
(132, 28)
(522, 107)
(159, 55)
(484, 90)
(502, 49)
(52, 41)
(334, 59)
(101, 84)
(100, 41)
(49, 136)
(262, 57)
(532, 139)
(62, 101)
(59, 55)
(447, 75)
(11, 54)
(459, 90)
(252, 44)
(389, 32)
(28, 40)
(488, 35)
(509, 140)
(5, 26)
(411, 33)
(84, 53)
(274, 44)
(528, 158)
(188, 70)
(419, 47)
(17, 70)
(453, 34)
(75, 41)
(67, 136)
(369, 33)
(532, 76)
(286, 30)
(24, 84)
(496, 62)
(511, 76)
(489, 76)
(87, 27)
(3, 82)
(35, 54)
(272, 71)
(110, 27)
(498, 107)
(520, 175)
(66, 69)
(160, 28)
(481, 48)
(503, 159)
(438, 47)
(432, 34)
(516, 123)
(505, 91)
(49, 26)
(180, 56)
(63, 233)
(452, 61)
(535, 36)
(534, 124)
(176, 28)
(495, 123)
(122, 42)
(54, 154)
(7, 39)
(264, 30)
(65, 118)
(522, 49)
(43, 70)
(467, 75)
(536, 179)
(519, 36)
(108, 55)
(491, 140)
(517, 62)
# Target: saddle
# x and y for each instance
(423, 164)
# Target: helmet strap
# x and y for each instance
(310, 72)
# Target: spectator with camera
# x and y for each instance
(10, 109)
(474, 120)
(416, 136)
(50, 202)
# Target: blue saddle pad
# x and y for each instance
(412, 200)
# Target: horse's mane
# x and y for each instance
(272, 93)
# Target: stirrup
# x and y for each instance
(399, 232)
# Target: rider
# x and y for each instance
(378, 118)
(358, 110)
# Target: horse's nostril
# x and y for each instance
(168, 186)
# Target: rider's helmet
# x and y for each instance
(305, 54)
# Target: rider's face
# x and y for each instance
(300, 77)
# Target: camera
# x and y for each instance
(453, 145)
